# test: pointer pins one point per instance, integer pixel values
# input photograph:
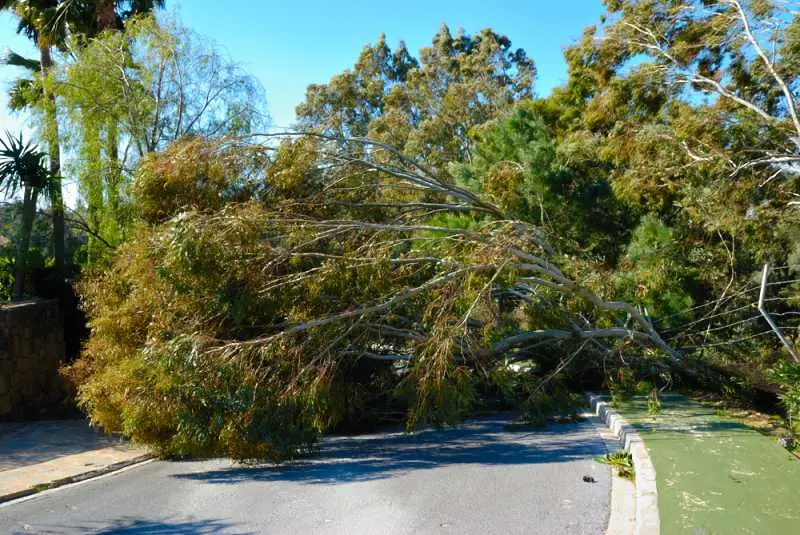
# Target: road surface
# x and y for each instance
(479, 478)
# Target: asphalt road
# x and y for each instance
(478, 478)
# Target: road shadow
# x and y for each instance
(139, 526)
(40, 441)
(718, 428)
(485, 442)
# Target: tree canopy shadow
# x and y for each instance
(484, 442)
(141, 526)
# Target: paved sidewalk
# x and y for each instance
(38, 455)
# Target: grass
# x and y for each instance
(716, 475)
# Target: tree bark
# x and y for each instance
(92, 179)
(106, 15)
(28, 215)
(113, 173)
(54, 152)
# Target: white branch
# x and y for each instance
(790, 104)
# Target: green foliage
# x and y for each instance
(246, 319)
(621, 385)
(514, 165)
(519, 165)
(150, 377)
(545, 401)
(175, 358)
(689, 159)
(643, 388)
(653, 403)
(622, 461)
(6, 278)
(787, 377)
(130, 94)
(653, 272)
(262, 295)
(425, 107)
(193, 174)
(22, 167)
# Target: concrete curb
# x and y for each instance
(91, 474)
(647, 518)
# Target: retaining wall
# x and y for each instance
(31, 351)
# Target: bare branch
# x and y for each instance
(787, 93)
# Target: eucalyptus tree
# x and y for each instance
(350, 101)
(744, 53)
(710, 89)
(688, 110)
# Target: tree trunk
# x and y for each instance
(21, 267)
(92, 183)
(113, 169)
(54, 152)
(106, 20)
(106, 15)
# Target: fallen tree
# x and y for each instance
(274, 291)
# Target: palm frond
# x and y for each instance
(22, 164)
(12, 59)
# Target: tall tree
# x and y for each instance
(688, 108)
(350, 101)
(425, 106)
(520, 164)
(102, 173)
(743, 53)
(48, 23)
(40, 20)
(132, 93)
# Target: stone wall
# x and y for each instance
(31, 351)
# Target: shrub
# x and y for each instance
(787, 376)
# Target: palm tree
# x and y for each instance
(22, 166)
(95, 16)
(39, 20)
(47, 23)
(111, 15)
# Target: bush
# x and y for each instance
(787, 376)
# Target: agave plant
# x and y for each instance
(23, 168)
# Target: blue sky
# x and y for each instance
(290, 44)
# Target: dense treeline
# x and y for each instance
(433, 237)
